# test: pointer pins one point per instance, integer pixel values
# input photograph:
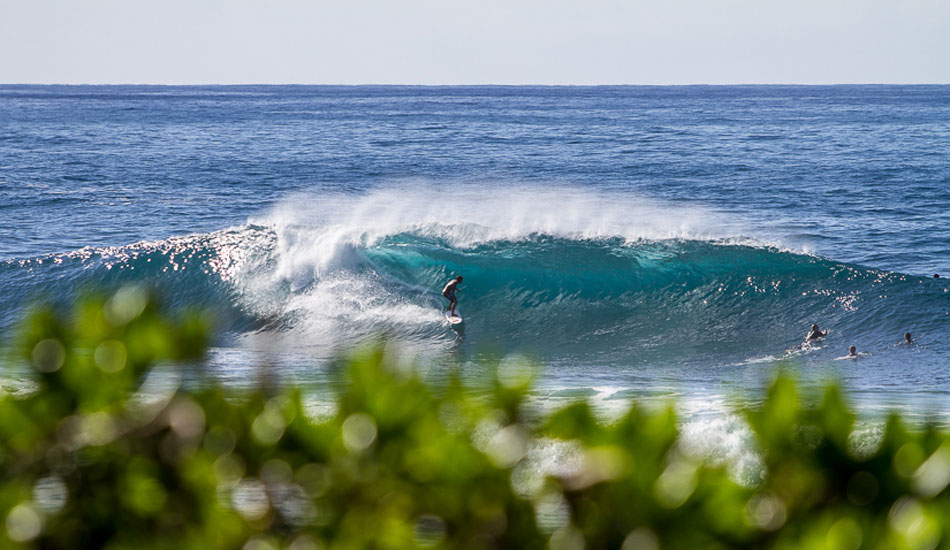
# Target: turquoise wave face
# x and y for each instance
(649, 301)
(597, 300)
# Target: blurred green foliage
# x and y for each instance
(102, 456)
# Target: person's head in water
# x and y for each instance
(852, 351)
(814, 327)
(907, 338)
(936, 275)
(459, 278)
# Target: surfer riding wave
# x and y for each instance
(449, 293)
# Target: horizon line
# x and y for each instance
(480, 85)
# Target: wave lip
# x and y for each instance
(467, 215)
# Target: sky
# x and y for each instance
(576, 42)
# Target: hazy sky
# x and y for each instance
(475, 42)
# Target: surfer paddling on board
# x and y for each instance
(449, 292)
(815, 334)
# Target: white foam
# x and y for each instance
(358, 299)
(468, 215)
(724, 440)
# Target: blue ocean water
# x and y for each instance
(636, 240)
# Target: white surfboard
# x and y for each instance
(453, 319)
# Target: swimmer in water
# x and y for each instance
(852, 354)
(907, 338)
(815, 333)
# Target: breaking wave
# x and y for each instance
(560, 273)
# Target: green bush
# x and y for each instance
(94, 458)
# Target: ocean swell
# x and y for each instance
(630, 283)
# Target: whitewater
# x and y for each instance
(640, 243)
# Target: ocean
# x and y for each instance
(637, 242)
